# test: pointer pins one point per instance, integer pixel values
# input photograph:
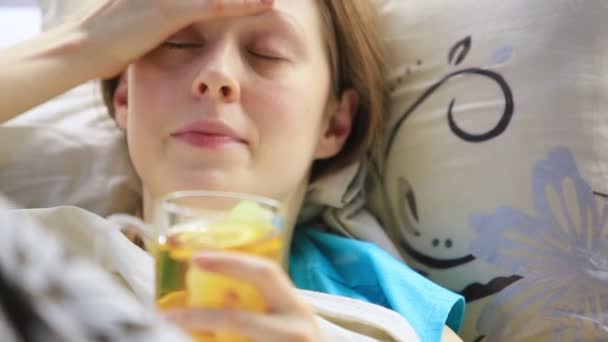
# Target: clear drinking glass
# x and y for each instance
(196, 221)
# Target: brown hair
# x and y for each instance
(357, 59)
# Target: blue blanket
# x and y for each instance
(336, 265)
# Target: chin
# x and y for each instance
(211, 180)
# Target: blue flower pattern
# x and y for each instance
(561, 252)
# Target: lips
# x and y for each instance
(208, 134)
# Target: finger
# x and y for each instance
(227, 8)
(265, 275)
(258, 327)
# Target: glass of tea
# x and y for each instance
(195, 221)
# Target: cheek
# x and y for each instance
(280, 109)
(148, 89)
(148, 117)
(152, 107)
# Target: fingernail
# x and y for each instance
(203, 261)
(173, 315)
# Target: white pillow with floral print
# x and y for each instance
(493, 172)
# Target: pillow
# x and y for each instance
(493, 172)
(68, 151)
(45, 166)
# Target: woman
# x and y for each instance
(247, 96)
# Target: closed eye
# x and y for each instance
(182, 45)
(271, 58)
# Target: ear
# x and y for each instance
(121, 101)
(337, 126)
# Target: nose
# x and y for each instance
(216, 79)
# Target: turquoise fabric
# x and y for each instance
(336, 265)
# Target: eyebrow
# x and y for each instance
(289, 21)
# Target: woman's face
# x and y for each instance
(236, 104)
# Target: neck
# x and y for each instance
(292, 203)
